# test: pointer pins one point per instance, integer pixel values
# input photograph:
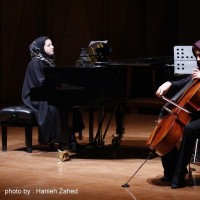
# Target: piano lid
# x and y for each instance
(143, 62)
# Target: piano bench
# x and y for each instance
(17, 116)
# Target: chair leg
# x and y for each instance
(4, 137)
(195, 159)
(28, 138)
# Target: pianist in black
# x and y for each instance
(49, 118)
(176, 161)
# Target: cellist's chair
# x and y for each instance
(196, 154)
(17, 116)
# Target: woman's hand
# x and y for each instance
(195, 74)
(163, 89)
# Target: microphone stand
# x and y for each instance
(126, 184)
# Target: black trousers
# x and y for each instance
(175, 162)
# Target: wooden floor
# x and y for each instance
(91, 173)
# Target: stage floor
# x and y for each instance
(92, 173)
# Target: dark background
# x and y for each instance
(134, 29)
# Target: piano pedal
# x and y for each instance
(95, 145)
(75, 147)
(92, 146)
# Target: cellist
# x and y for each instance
(176, 161)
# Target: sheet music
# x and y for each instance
(98, 41)
(184, 60)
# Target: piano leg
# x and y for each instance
(109, 121)
(91, 124)
(66, 116)
(99, 138)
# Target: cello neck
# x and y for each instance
(180, 92)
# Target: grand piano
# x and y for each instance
(105, 83)
(95, 87)
(95, 80)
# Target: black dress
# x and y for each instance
(48, 117)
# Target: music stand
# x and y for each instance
(184, 60)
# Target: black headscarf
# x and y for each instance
(196, 45)
(37, 51)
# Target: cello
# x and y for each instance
(169, 128)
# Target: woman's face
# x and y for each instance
(48, 47)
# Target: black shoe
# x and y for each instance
(178, 181)
(177, 185)
(166, 179)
